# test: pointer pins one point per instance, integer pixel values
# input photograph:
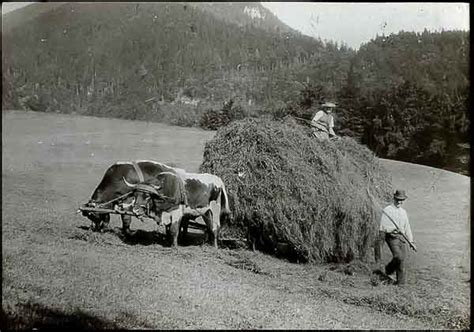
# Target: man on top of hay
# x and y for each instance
(395, 229)
(323, 122)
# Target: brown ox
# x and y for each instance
(112, 187)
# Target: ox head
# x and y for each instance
(144, 195)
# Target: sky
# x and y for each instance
(356, 23)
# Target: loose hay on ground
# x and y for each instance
(286, 187)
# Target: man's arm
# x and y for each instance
(318, 116)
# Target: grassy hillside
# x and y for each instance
(20, 17)
(57, 273)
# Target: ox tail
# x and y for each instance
(225, 201)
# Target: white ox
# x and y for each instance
(204, 195)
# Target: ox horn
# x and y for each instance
(148, 188)
(144, 187)
(155, 186)
(129, 184)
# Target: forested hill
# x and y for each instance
(404, 95)
(407, 98)
(165, 50)
(436, 61)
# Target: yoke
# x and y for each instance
(101, 210)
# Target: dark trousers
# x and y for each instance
(398, 248)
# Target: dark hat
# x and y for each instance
(400, 195)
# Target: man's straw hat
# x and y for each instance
(328, 104)
(400, 195)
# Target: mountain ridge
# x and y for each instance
(242, 13)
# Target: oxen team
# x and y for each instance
(171, 196)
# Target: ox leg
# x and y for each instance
(184, 227)
(216, 221)
(168, 232)
(126, 222)
(98, 221)
(174, 231)
(95, 225)
(105, 222)
(172, 221)
(209, 218)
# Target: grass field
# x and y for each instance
(56, 272)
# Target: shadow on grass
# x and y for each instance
(144, 238)
(29, 316)
(233, 244)
(141, 237)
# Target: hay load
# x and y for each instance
(292, 191)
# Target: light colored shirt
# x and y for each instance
(400, 217)
(323, 121)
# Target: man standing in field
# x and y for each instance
(323, 122)
(395, 229)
